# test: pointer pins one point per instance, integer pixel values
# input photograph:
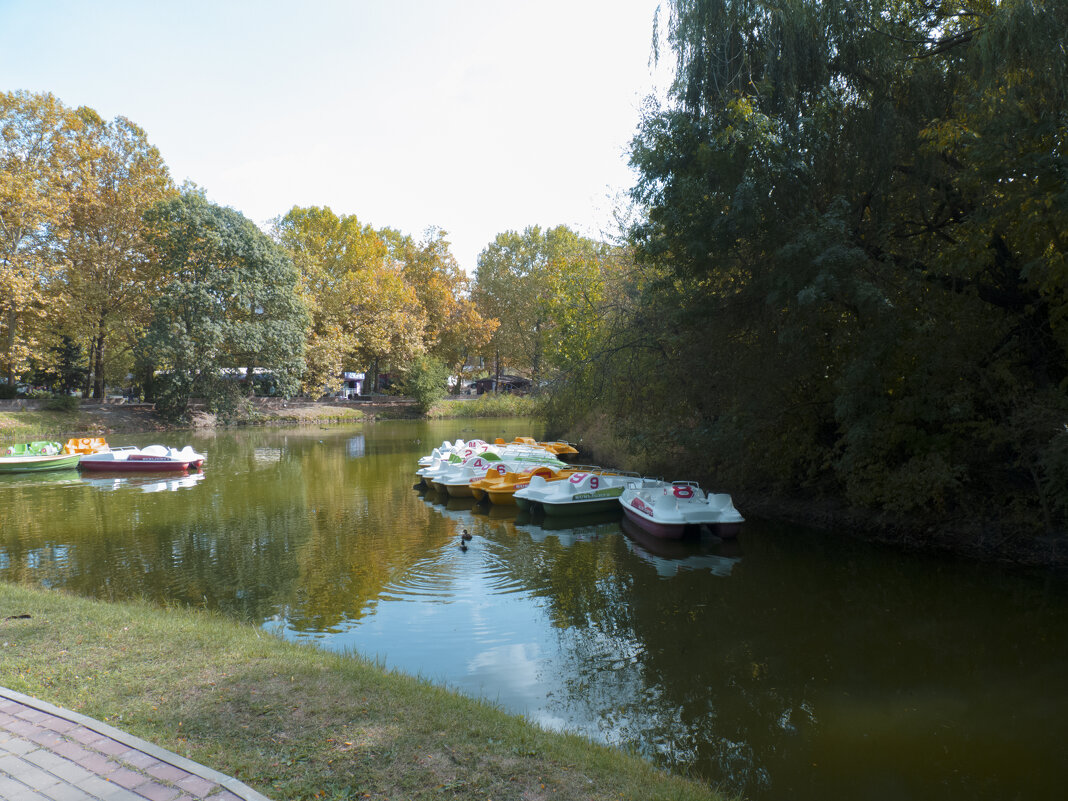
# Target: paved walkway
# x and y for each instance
(53, 754)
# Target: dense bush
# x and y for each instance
(426, 381)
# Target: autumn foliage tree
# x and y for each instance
(36, 153)
(109, 278)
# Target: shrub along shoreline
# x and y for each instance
(291, 720)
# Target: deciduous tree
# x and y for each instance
(333, 254)
(36, 151)
(110, 279)
(856, 212)
(231, 301)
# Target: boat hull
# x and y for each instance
(139, 465)
(459, 490)
(665, 531)
(574, 508)
(38, 464)
(502, 497)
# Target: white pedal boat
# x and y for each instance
(152, 458)
(670, 510)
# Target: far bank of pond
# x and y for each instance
(789, 663)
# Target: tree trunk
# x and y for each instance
(87, 384)
(98, 377)
(11, 347)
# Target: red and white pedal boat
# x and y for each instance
(670, 510)
(153, 458)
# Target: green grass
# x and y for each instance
(487, 406)
(293, 721)
(53, 424)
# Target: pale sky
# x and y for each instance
(475, 116)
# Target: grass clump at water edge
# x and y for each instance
(488, 405)
(291, 720)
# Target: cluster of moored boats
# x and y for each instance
(93, 453)
(535, 477)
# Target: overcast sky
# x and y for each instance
(476, 117)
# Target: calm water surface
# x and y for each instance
(786, 665)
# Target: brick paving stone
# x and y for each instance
(67, 771)
(107, 791)
(154, 791)
(47, 760)
(9, 787)
(23, 728)
(29, 774)
(32, 715)
(56, 723)
(128, 778)
(139, 760)
(66, 792)
(108, 746)
(166, 772)
(98, 764)
(71, 751)
(197, 785)
(31, 795)
(48, 739)
(19, 745)
(84, 735)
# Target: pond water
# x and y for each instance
(788, 664)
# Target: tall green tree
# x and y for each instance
(855, 212)
(231, 301)
(525, 281)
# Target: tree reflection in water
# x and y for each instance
(788, 664)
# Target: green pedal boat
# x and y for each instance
(32, 457)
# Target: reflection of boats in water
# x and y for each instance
(569, 530)
(40, 478)
(670, 557)
(560, 523)
(116, 480)
(495, 512)
(456, 509)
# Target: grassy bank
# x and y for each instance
(290, 720)
(486, 406)
(100, 420)
(27, 425)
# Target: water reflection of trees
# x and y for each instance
(810, 650)
(767, 680)
(290, 521)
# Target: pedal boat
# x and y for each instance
(670, 511)
(153, 458)
(584, 492)
(33, 457)
(500, 488)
